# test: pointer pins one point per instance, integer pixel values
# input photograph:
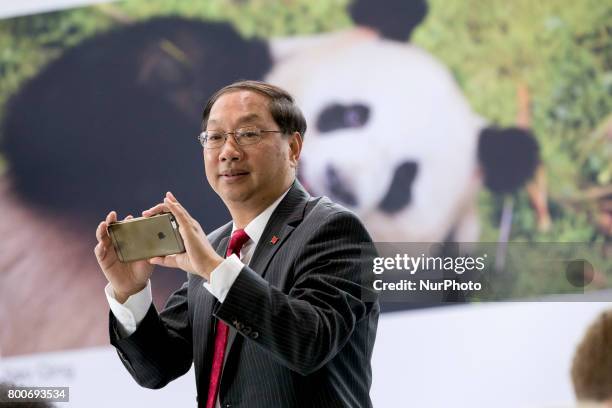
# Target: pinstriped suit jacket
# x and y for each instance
(301, 331)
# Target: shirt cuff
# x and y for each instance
(129, 314)
(223, 276)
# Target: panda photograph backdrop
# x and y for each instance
(434, 121)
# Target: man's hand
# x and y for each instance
(199, 257)
(125, 278)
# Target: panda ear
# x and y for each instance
(393, 19)
(508, 157)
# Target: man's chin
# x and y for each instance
(236, 194)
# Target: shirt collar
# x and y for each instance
(256, 227)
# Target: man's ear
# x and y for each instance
(295, 147)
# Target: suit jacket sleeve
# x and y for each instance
(306, 327)
(160, 349)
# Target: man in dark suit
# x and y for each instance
(275, 311)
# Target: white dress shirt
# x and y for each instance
(130, 314)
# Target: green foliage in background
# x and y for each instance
(560, 50)
(28, 43)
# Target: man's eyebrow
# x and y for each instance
(249, 117)
(246, 118)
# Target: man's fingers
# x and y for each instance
(184, 220)
(173, 201)
(159, 208)
(181, 214)
(171, 196)
(102, 234)
(168, 261)
(100, 251)
(111, 217)
(100, 231)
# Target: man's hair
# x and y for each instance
(282, 107)
(592, 365)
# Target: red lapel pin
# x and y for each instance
(274, 240)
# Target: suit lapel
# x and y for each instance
(286, 216)
(281, 224)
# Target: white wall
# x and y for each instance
(490, 355)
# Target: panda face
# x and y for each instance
(390, 135)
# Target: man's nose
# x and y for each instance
(230, 149)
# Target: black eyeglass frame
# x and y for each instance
(240, 140)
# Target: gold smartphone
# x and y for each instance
(146, 237)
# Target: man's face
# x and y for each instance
(255, 174)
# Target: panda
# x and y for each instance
(394, 139)
(112, 124)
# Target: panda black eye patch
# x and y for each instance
(337, 116)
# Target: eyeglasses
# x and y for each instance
(214, 139)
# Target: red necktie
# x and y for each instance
(238, 239)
